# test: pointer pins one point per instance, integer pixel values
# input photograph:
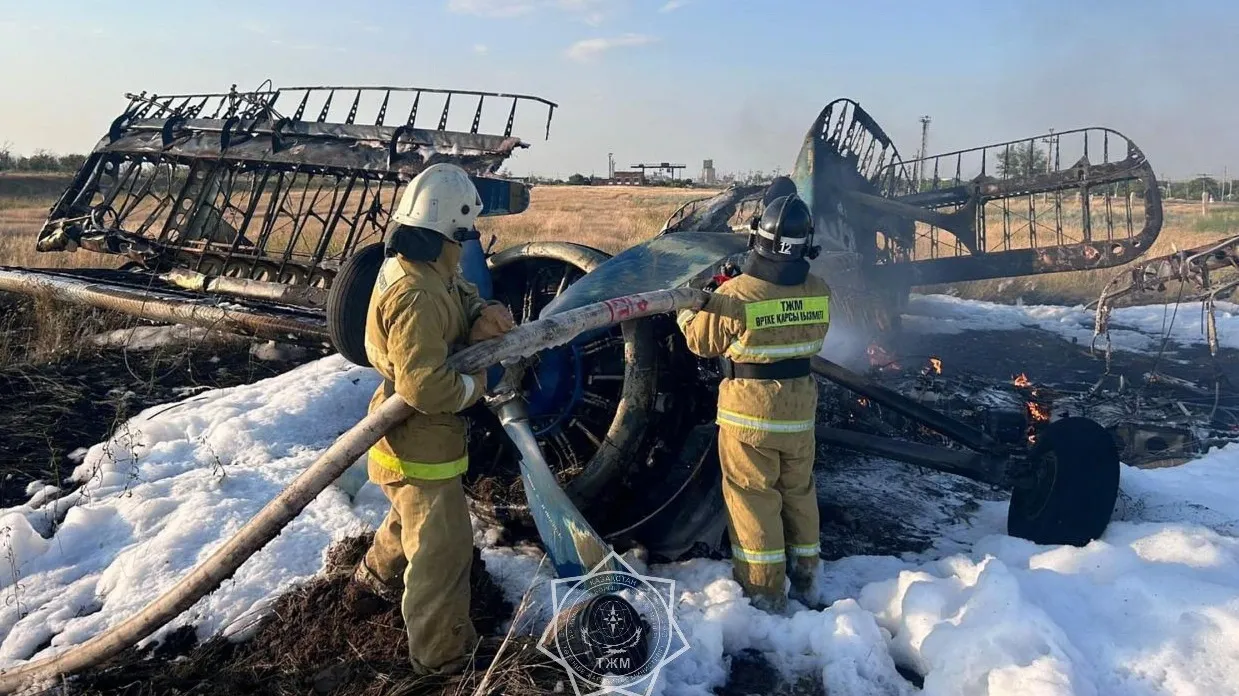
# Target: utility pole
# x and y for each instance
(1050, 141)
(924, 150)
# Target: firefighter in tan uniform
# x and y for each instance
(765, 324)
(421, 310)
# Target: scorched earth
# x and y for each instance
(1151, 608)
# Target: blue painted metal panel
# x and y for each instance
(474, 269)
(667, 261)
(500, 196)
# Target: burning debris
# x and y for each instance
(880, 359)
(1165, 419)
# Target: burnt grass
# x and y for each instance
(61, 393)
(310, 643)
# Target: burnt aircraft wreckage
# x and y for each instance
(263, 213)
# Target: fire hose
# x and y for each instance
(522, 342)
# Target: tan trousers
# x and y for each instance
(772, 513)
(427, 537)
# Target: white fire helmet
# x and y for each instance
(441, 198)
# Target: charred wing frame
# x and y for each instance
(227, 185)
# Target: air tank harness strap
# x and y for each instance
(782, 369)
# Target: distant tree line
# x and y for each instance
(583, 180)
(40, 161)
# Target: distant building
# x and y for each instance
(708, 175)
(628, 179)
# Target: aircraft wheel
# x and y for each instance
(1072, 496)
(348, 301)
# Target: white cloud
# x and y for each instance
(492, 8)
(673, 5)
(480, 49)
(588, 49)
(592, 12)
(367, 27)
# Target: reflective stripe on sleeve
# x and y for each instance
(771, 426)
(685, 316)
(420, 470)
(759, 556)
(792, 311)
(788, 350)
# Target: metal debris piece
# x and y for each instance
(1200, 269)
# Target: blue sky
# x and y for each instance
(664, 80)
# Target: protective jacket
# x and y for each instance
(763, 323)
(419, 312)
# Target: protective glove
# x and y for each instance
(494, 321)
(724, 305)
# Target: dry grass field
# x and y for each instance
(608, 218)
(24, 203)
(614, 218)
(611, 218)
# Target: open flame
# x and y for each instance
(1021, 381)
(936, 364)
(879, 358)
(863, 401)
(1039, 413)
(877, 355)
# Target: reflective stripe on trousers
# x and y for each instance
(758, 556)
(420, 470)
(764, 424)
(776, 555)
(805, 550)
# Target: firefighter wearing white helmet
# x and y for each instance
(420, 311)
(765, 325)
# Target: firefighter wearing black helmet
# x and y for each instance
(765, 324)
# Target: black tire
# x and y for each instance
(1072, 497)
(349, 299)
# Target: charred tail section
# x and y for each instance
(1076, 200)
